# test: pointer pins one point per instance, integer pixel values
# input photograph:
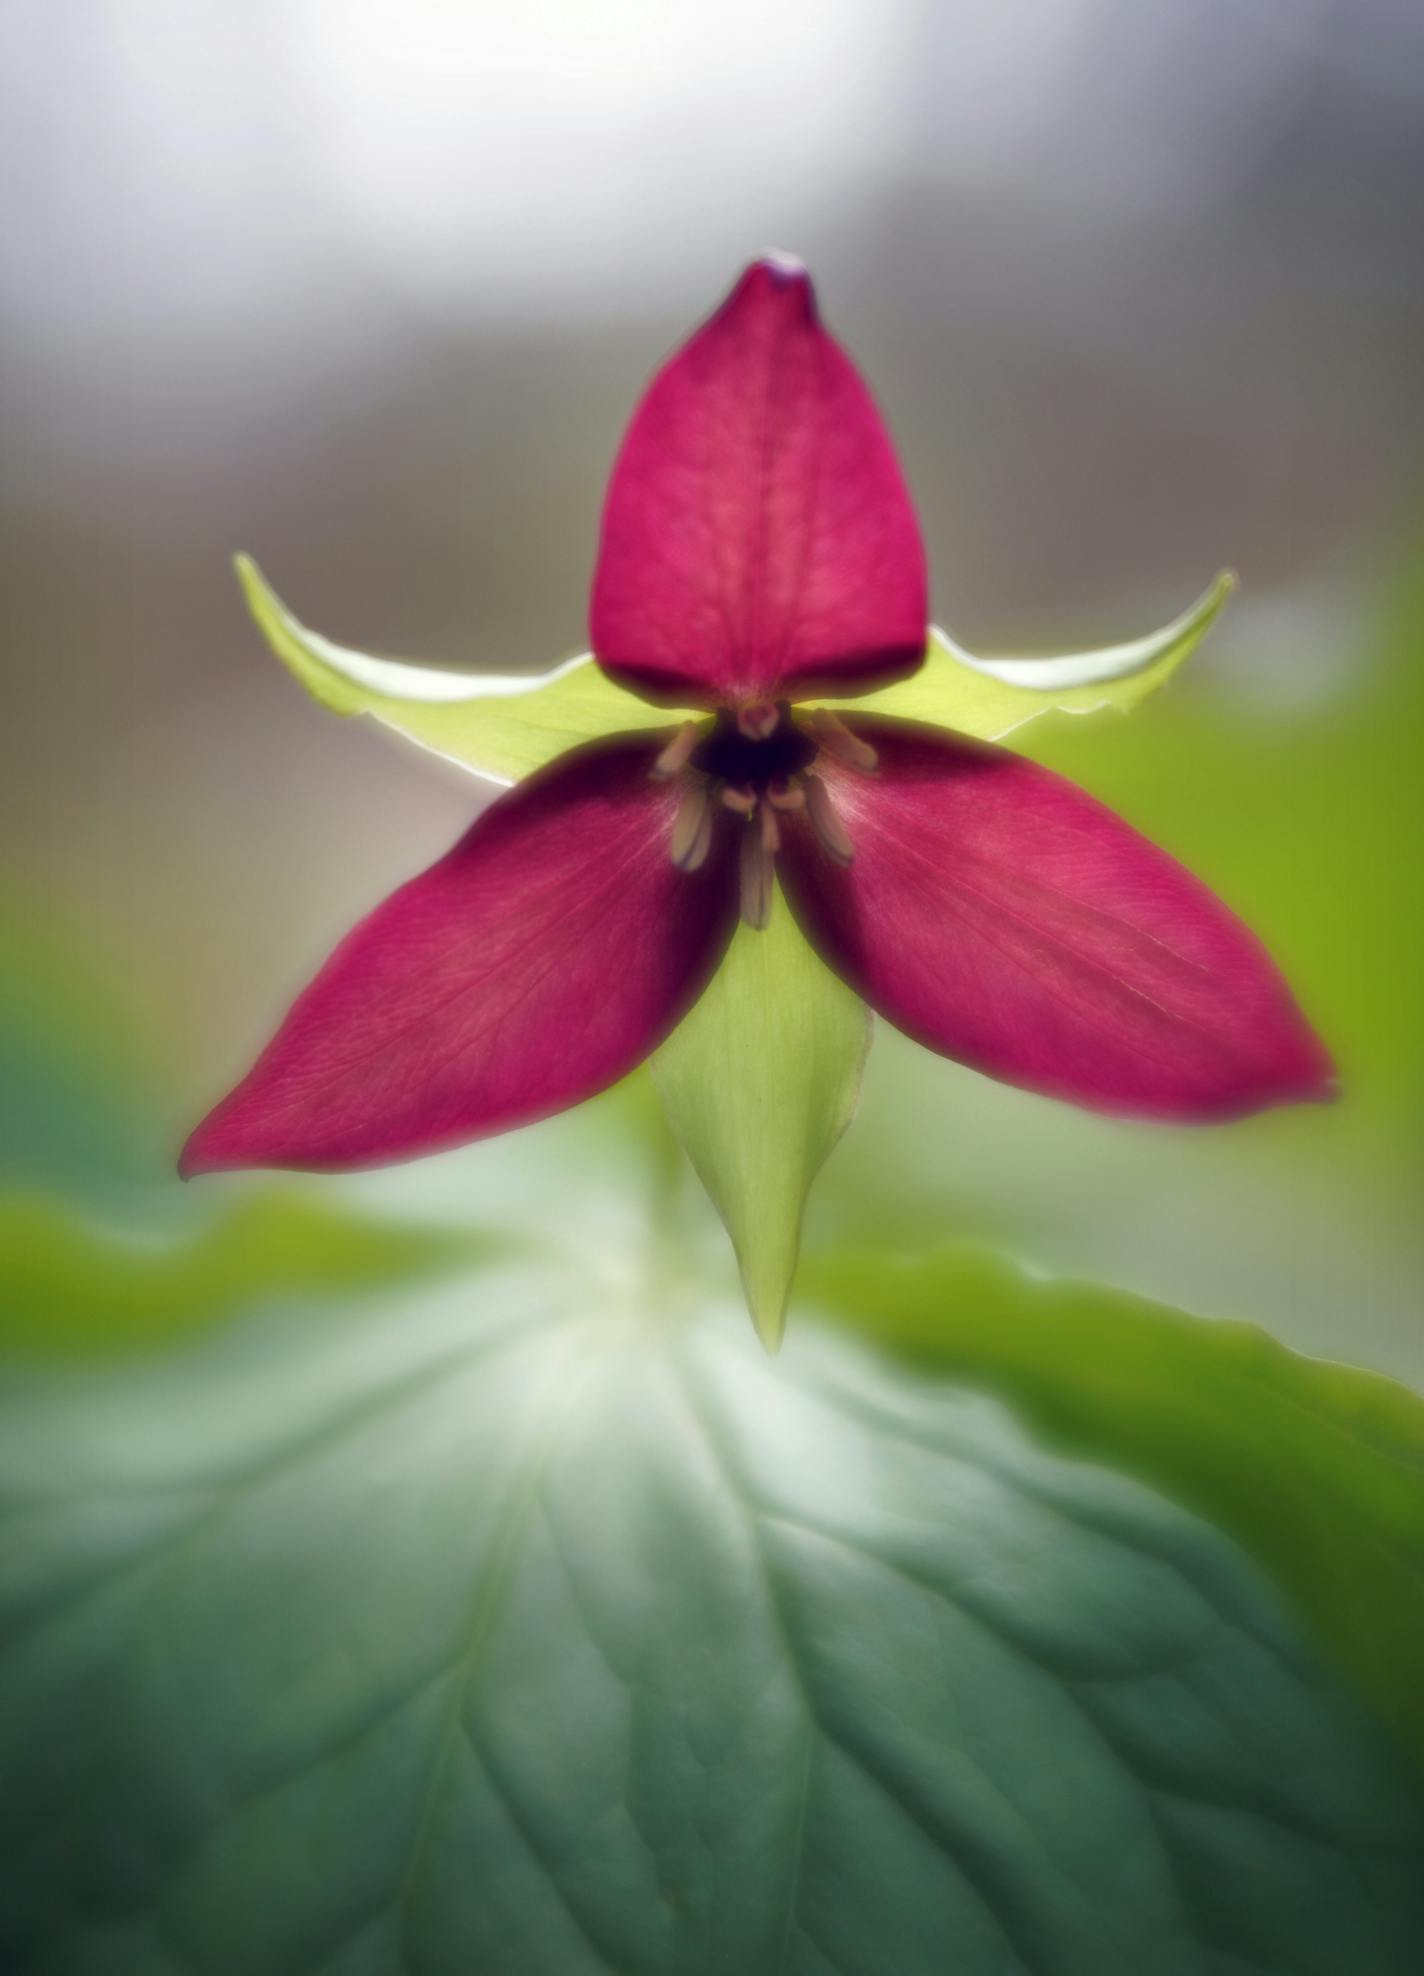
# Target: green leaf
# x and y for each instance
(1318, 1469)
(501, 726)
(989, 698)
(70, 1288)
(759, 1082)
(517, 1628)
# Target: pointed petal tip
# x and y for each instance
(216, 1146)
(198, 1157)
(1299, 1081)
(780, 264)
(774, 275)
(1317, 1078)
(1295, 1069)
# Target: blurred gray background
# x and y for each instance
(368, 287)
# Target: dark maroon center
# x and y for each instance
(729, 755)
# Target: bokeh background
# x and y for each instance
(368, 287)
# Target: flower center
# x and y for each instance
(730, 755)
(758, 765)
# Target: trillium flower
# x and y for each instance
(750, 722)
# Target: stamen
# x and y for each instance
(739, 797)
(787, 794)
(692, 826)
(757, 872)
(678, 752)
(758, 720)
(826, 822)
(770, 830)
(843, 746)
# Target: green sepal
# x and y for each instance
(759, 1082)
(989, 698)
(503, 726)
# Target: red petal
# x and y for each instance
(544, 957)
(758, 538)
(997, 914)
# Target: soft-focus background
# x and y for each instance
(368, 287)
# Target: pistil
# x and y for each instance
(759, 721)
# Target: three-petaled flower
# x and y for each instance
(760, 556)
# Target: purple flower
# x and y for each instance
(760, 551)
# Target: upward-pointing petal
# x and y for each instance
(758, 537)
(538, 962)
(999, 915)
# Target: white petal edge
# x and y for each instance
(1112, 662)
(499, 726)
(394, 678)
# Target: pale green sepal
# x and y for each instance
(989, 698)
(759, 1083)
(503, 726)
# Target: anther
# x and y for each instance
(786, 795)
(759, 720)
(770, 830)
(678, 752)
(843, 746)
(739, 797)
(757, 877)
(692, 826)
(825, 821)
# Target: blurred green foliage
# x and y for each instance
(1317, 1469)
(76, 1098)
(71, 1289)
(539, 1621)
